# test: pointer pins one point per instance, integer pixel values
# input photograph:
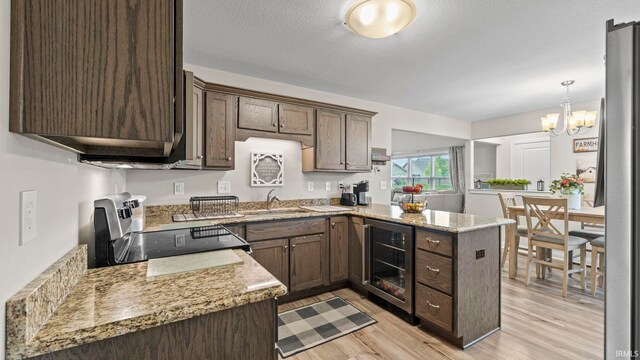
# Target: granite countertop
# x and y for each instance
(430, 219)
(112, 301)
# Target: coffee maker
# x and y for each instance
(360, 190)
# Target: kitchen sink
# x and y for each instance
(281, 211)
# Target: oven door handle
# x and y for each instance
(365, 252)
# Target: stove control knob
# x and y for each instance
(131, 204)
(125, 213)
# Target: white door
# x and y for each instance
(531, 160)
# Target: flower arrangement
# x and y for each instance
(567, 184)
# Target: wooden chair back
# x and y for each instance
(506, 199)
(545, 211)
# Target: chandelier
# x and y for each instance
(574, 122)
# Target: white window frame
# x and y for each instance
(431, 180)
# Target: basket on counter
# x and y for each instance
(413, 203)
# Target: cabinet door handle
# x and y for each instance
(293, 246)
(433, 305)
(285, 247)
(348, 163)
(229, 158)
(333, 225)
(274, 124)
(281, 125)
(433, 269)
(200, 156)
(433, 241)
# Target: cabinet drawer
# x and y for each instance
(278, 229)
(434, 307)
(434, 270)
(434, 242)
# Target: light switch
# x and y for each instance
(383, 185)
(178, 188)
(310, 185)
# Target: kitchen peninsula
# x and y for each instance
(457, 285)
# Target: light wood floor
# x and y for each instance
(537, 323)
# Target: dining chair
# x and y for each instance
(509, 199)
(597, 262)
(546, 235)
(588, 230)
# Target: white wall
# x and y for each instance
(503, 151)
(158, 185)
(484, 160)
(411, 142)
(65, 189)
(563, 159)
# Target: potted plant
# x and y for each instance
(570, 187)
(509, 184)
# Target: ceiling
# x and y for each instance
(466, 59)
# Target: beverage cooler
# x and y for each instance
(389, 262)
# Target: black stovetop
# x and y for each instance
(165, 243)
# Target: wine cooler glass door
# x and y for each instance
(389, 263)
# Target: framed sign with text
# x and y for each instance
(585, 145)
(267, 169)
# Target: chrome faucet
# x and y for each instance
(270, 199)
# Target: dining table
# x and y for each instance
(586, 214)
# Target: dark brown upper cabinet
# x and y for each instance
(358, 142)
(330, 140)
(258, 114)
(343, 143)
(220, 130)
(98, 77)
(295, 119)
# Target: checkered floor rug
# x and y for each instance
(303, 328)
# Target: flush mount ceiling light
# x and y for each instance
(377, 19)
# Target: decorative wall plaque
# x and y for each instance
(585, 145)
(267, 169)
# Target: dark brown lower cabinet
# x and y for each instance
(458, 283)
(356, 250)
(339, 248)
(273, 255)
(218, 336)
(307, 263)
(300, 260)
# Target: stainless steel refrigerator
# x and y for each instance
(620, 160)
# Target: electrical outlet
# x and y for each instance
(310, 185)
(224, 187)
(327, 186)
(28, 216)
(383, 185)
(178, 188)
